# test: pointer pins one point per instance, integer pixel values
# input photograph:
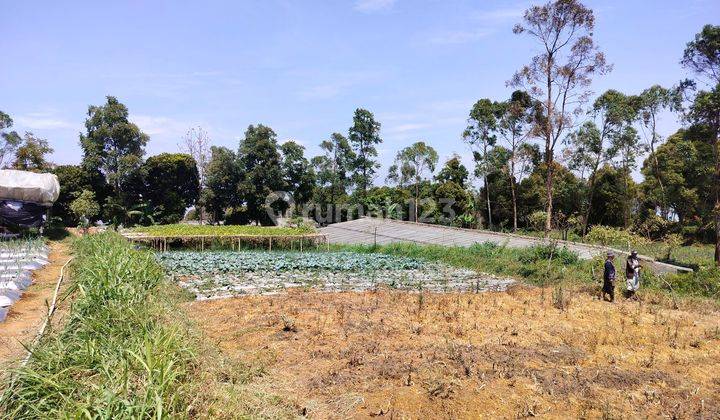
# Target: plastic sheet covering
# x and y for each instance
(11, 285)
(3, 313)
(12, 295)
(16, 213)
(29, 187)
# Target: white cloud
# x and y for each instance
(43, 121)
(161, 126)
(370, 6)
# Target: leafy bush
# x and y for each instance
(548, 252)
(609, 236)
(704, 282)
(672, 242)
(536, 220)
(485, 249)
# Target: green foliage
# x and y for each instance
(31, 154)
(568, 191)
(452, 201)
(705, 282)
(453, 171)
(229, 230)
(112, 144)
(73, 180)
(333, 169)
(531, 264)
(536, 220)
(364, 135)
(85, 207)
(171, 185)
(259, 164)
(702, 55)
(190, 263)
(299, 174)
(548, 252)
(221, 182)
(412, 162)
(672, 242)
(9, 140)
(609, 236)
(613, 197)
(118, 355)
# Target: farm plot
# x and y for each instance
(212, 275)
(18, 258)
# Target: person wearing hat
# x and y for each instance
(632, 274)
(609, 277)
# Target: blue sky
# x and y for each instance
(302, 67)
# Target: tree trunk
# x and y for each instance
(586, 219)
(663, 206)
(548, 148)
(549, 198)
(487, 196)
(417, 192)
(717, 200)
(626, 207)
(512, 192)
(591, 193)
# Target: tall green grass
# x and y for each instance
(119, 355)
(541, 265)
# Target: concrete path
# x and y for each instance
(370, 231)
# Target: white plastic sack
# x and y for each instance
(29, 187)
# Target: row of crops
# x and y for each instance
(18, 258)
(223, 274)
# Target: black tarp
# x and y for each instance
(16, 213)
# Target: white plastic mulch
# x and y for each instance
(17, 261)
(437, 278)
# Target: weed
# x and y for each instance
(561, 300)
(288, 324)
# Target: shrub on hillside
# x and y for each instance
(548, 252)
(609, 236)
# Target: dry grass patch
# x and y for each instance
(463, 355)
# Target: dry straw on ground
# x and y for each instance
(421, 355)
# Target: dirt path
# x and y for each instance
(27, 315)
(489, 355)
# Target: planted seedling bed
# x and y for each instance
(212, 275)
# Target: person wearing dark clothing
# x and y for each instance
(609, 277)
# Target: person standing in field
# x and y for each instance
(609, 277)
(632, 274)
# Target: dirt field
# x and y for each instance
(27, 314)
(495, 355)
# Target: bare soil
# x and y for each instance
(394, 354)
(27, 314)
